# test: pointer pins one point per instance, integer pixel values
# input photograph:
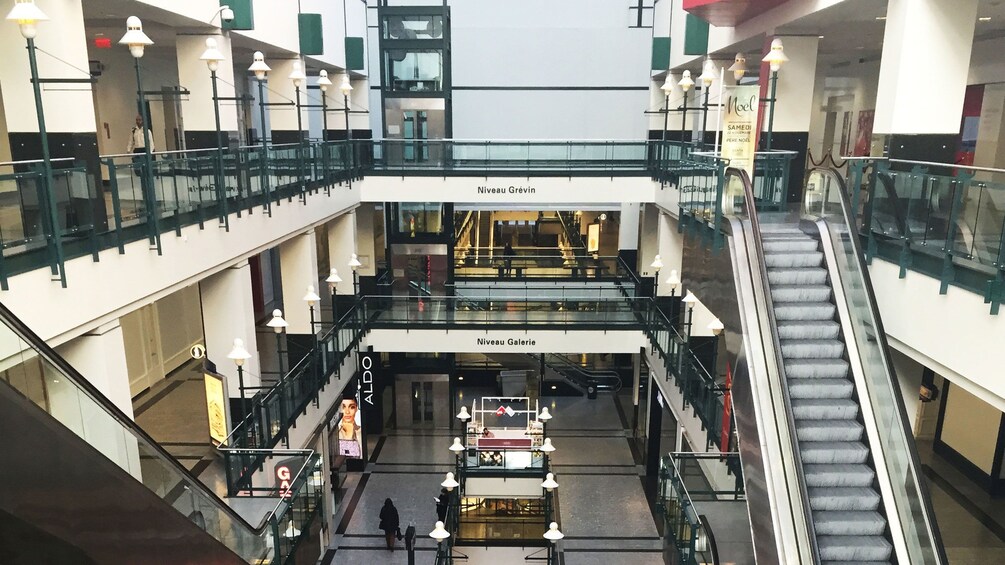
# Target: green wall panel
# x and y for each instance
(311, 38)
(244, 14)
(695, 36)
(354, 53)
(661, 54)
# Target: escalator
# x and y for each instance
(81, 479)
(824, 440)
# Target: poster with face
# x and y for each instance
(350, 430)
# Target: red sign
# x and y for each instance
(284, 478)
(727, 404)
(102, 42)
(500, 411)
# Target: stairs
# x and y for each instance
(840, 478)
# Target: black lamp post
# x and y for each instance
(685, 84)
(774, 58)
(137, 41)
(213, 57)
(261, 69)
(298, 77)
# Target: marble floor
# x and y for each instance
(593, 463)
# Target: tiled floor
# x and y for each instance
(601, 503)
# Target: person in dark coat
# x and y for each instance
(508, 255)
(442, 503)
(389, 522)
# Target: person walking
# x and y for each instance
(137, 146)
(442, 504)
(508, 254)
(389, 522)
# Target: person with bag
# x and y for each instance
(389, 523)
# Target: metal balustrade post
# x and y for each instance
(263, 166)
(54, 239)
(300, 149)
(221, 185)
(153, 221)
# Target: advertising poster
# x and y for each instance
(863, 141)
(350, 428)
(216, 408)
(593, 238)
(739, 126)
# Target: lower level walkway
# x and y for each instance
(602, 507)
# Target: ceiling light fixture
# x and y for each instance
(984, 19)
(881, 18)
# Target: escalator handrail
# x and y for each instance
(34, 341)
(880, 336)
(755, 224)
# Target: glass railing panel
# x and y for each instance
(910, 499)
(983, 219)
(63, 398)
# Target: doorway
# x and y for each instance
(422, 401)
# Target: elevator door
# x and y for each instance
(422, 404)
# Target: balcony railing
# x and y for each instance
(273, 410)
(945, 221)
(178, 189)
(448, 156)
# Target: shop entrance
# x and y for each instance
(422, 401)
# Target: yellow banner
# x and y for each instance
(739, 126)
(216, 407)
(593, 238)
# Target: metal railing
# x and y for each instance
(682, 525)
(943, 220)
(86, 215)
(272, 411)
(564, 157)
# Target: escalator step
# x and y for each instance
(840, 475)
(805, 311)
(790, 244)
(858, 499)
(828, 523)
(797, 260)
(797, 276)
(798, 329)
(828, 430)
(816, 368)
(800, 293)
(821, 388)
(854, 548)
(824, 409)
(812, 348)
(833, 452)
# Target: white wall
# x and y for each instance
(547, 190)
(548, 46)
(953, 334)
(545, 341)
(68, 106)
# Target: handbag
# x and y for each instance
(399, 534)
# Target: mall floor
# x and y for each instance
(602, 504)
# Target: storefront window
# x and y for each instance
(413, 70)
(413, 27)
(420, 217)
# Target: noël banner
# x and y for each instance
(739, 126)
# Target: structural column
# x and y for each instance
(923, 76)
(793, 103)
(671, 250)
(628, 233)
(197, 107)
(341, 246)
(282, 112)
(100, 356)
(298, 262)
(228, 313)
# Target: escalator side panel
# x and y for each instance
(56, 482)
